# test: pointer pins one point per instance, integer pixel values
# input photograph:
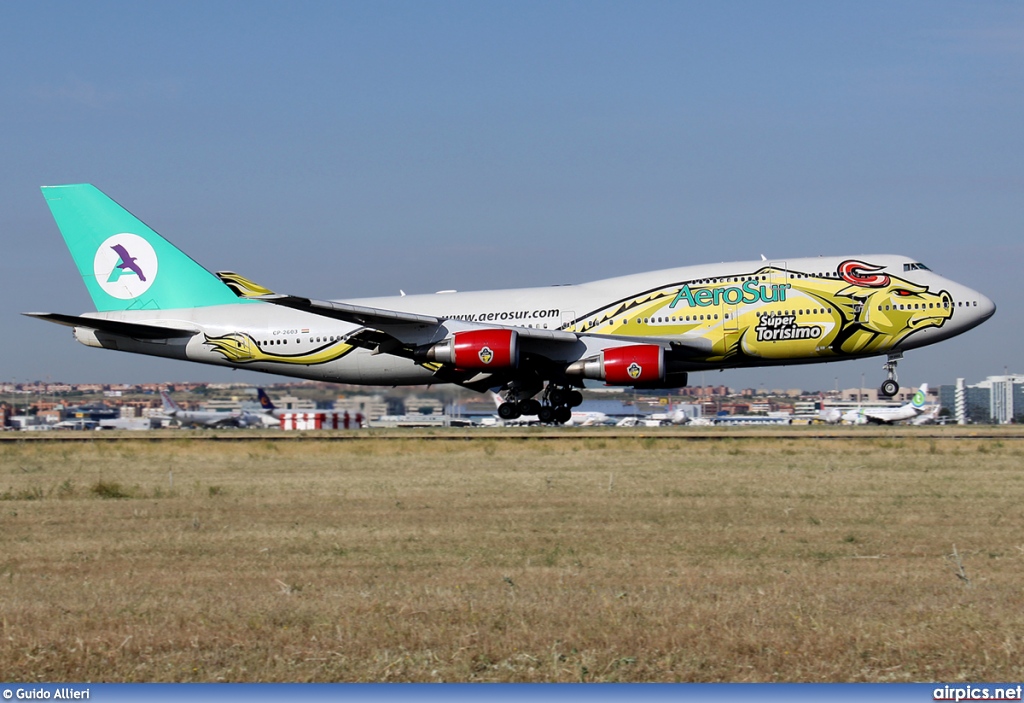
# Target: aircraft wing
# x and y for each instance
(404, 334)
(125, 329)
(382, 319)
(357, 314)
(383, 330)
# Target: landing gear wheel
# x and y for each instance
(890, 386)
(575, 399)
(563, 414)
(529, 407)
(546, 414)
(558, 396)
(508, 411)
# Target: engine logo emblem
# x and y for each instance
(486, 355)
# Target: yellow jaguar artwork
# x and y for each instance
(772, 313)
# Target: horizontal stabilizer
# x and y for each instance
(125, 329)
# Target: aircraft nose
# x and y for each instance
(979, 308)
(986, 308)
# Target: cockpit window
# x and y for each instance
(915, 267)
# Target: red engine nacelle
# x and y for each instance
(639, 363)
(478, 350)
(633, 365)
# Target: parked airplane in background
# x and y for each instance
(205, 418)
(585, 418)
(76, 424)
(267, 405)
(671, 417)
(929, 415)
(889, 416)
(536, 345)
(831, 416)
(270, 414)
(702, 422)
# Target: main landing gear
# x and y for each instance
(512, 410)
(555, 407)
(891, 386)
(558, 404)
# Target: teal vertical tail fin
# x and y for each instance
(125, 264)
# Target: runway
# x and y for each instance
(542, 434)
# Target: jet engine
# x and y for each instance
(477, 350)
(633, 365)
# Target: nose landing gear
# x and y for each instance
(890, 386)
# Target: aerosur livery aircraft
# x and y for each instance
(645, 330)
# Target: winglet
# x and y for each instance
(242, 286)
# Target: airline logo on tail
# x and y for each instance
(125, 266)
(169, 405)
(265, 401)
(919, 398)
(128, 262)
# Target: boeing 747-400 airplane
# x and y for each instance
(535, 345)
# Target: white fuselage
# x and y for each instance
(727, 315)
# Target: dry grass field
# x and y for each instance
(584, 559)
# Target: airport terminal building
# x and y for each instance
(997, 399)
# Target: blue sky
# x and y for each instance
(343, 149)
